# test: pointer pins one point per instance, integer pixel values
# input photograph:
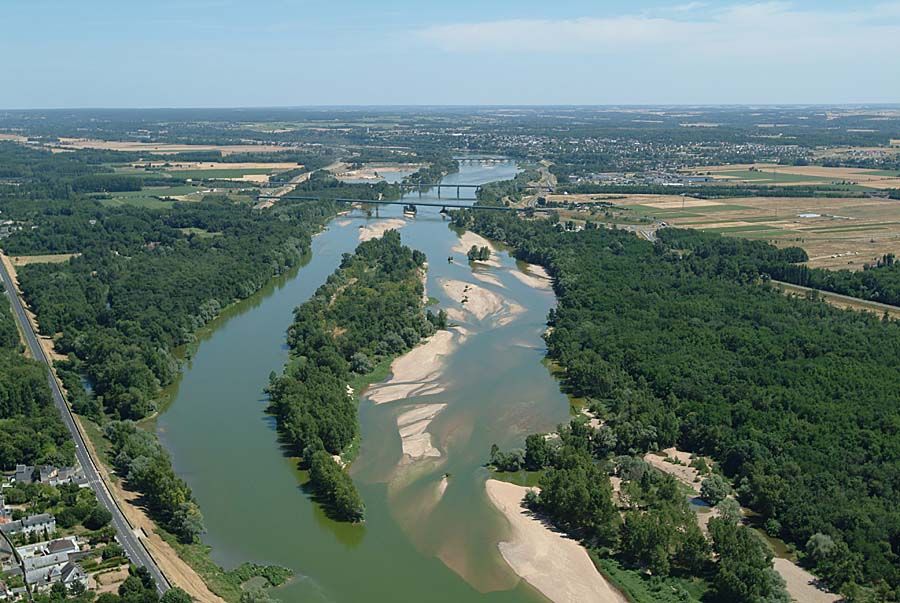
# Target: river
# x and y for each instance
(415, 545)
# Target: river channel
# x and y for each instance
(424, 538)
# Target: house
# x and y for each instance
(49, 475)
(67, 573)
(36, 523)
(60, 545)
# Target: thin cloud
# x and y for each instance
(774, 30)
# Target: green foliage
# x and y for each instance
(476, 254)
(744, 572)
(31, 430)
(368, 311)
(175, 595)
(714, 489)
(141, 458)
(142, 286)
(335, 487)
(798, 401)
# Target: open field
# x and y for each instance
(802, 175)
(157, 197)
(68, 144)
(24, 260)
(836, 233)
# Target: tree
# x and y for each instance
(187, 522)
(538, 452)
(97, 518)
(175, 595)
(714, 489)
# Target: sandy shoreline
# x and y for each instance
(377, 230)
(557, 566)
(468, 239)
(416, 373)
(480, 303)
(413, 426)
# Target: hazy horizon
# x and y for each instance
(276, 53)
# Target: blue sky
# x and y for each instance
(190, 53)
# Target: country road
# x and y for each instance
(134, 548)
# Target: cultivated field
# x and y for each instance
(68, 144)
(24, 260)
(836, 233)
(771, 174)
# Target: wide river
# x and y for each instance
(416, 544)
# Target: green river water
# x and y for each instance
(415, 545)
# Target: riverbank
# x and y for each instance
(554, 564)
(417, 373)
(802, 586)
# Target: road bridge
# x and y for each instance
(406, 202)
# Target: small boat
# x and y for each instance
(409, 210)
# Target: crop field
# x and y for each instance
(788, 175)
(836, 233)
(156, 197)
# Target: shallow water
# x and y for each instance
(415, 545)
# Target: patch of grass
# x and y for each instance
(95, 434)
(432, 301)
(226, 584)
(640, 588)
(748, 228)
(224, 173)
(381, 372)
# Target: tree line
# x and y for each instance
(797, 400)
(367, 312)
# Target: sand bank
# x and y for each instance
(533, 278)
(414, 436)
(557, 566)
(480, 303)
(468, 239)
(376, 230)
(416, 373)
(801, 585)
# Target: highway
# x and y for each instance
(134, 548)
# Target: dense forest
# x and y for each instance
(879, 282)
(31, 430)
(367, 312)
(798, 401)
(147, 280)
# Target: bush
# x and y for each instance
(714, 489)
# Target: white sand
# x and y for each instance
(480, 303)
(467, 239)
(536, 277)
(801, 585)
(414, 436)
(376, 230)
(416, 373)
(487, 277)
(683, 473)
(557, 566)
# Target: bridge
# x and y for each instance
(406, 203)
(423, 186)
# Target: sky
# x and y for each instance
(240, 53)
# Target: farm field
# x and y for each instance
(157, 196)
(836, 233)
(69, 144)
(802, 175)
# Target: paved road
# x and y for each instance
(135, 550)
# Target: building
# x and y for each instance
(49, 475)
(36, 523)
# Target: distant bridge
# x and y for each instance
(424, 186)
(444, 206)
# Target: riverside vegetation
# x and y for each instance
(369, 311)
(682, 344)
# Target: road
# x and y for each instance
(134, 548)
